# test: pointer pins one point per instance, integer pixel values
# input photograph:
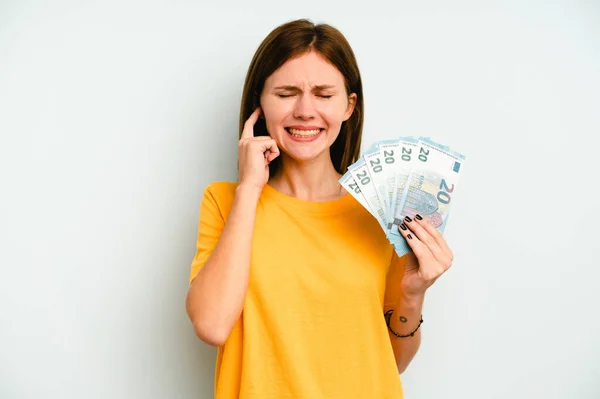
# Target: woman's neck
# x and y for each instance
(315, 180)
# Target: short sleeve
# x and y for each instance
(210, 227)
(393, 287)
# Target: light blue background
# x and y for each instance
(115, 115)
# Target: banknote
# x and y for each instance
(359, 170)
(391, 152)
(350, 185)
(402, 177)
(408, 147)
(378, 168)
(432, 183)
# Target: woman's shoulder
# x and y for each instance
(218, 198)
(222, 187)
(221, 191)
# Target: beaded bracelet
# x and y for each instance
(388, 316)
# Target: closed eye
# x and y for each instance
(291, 95)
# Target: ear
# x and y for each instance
(351, 104)
(257, 98)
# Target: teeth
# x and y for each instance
(304, 133)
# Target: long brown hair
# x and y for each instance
(294, 39)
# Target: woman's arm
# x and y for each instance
(430, 258)
(216, 297)
(404, 320)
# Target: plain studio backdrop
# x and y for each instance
(116, 115)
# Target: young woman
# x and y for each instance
(293, 279)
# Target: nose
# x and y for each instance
(305, 107)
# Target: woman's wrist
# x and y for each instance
(412, 300)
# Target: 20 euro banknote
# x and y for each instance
(430, 188)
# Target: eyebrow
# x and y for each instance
(296, 88)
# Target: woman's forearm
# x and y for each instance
(216, 296)
(404, 320)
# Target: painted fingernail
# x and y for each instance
(418, 217)
(408, 219)
(403, 226)
(409, 237)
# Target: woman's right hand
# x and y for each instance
(255, 154)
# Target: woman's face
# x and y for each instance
(304, 103)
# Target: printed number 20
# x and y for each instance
(443, 196)
(364, 178)
(375, 164)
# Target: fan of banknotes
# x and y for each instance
(402, 177)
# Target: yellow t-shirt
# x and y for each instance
(312, 325)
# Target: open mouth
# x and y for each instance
(303, 134)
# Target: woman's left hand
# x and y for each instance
(431, 256)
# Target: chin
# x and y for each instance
(307, 155)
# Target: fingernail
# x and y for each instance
(418, 217)
(409, 237)
(403, 226)
(408, 219)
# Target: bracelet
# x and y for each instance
(388, 316)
